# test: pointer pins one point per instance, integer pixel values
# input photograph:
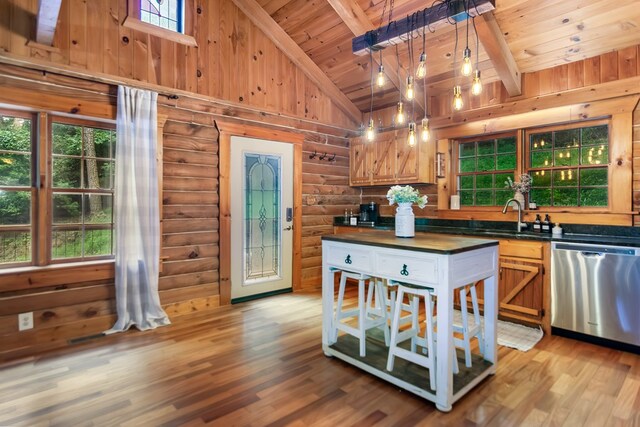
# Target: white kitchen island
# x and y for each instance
(438, 261)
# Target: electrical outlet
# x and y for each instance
(25, 321)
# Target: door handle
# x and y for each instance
(288, 228)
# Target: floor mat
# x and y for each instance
(511, 335)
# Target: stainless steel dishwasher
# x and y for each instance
(595, 290)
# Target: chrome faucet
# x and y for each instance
(521, 225)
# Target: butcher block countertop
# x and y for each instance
(422, 242)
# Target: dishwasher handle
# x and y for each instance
(590, 254)
(590, 250)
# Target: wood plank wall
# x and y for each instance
(636, 165)
(234, 61)
(69, 306)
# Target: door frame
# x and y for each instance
(226, 131)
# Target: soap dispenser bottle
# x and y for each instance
(537, 224)
(546, 224)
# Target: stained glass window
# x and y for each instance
(168, 14)
(262, 194)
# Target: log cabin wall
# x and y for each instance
(80, 78)
(233, 61)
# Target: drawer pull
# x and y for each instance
(347, 260)
(404, 270)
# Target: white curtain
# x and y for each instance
(136, 212)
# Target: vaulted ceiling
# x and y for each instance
(538, 34)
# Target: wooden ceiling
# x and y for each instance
(539, 34)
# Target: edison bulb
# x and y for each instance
(410, 90)
(371, 131)
(425, 130)
(457, 98)
(411, 137)
(400, 114)
(467, 68)
(381, 78)
(476, 86)
(421, 71)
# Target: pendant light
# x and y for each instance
(476, 86)
(400, 115)
(457, 98)
(411, 137)
(381, 79)
(411, 93)
(425, 132)
(421, 70)
(371, 131)
(467, 67)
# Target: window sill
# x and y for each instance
(138, 25)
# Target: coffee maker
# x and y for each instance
(369, 212)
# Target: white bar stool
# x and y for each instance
(429, 360)
(368, 318)
(469, 332)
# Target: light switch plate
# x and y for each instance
(25, 321)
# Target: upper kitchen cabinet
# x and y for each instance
(390, 160)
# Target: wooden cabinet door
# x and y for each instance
(383, 164)
(520, 289)
(360, 162)
(407, 162)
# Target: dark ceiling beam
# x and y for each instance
(430, 18)
(356, 19)
(496, 46)
(290, 48)
(47, 20)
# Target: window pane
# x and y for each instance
(15, 246)
(501, 179)
(565, 178)
(502, 196)
(15, 169)
(506, 161)
(566, 138)
(593, 176)
(164, 14)
(467, 149)
(466, 198)
(66, 243)
(598, 155)
(99, 174)
(565, 196)
(466, 183)
(486, 147)
(541, 178)
(103, 139)
(487, 163)
(67, 172)
(596, 135)
(542, 196)
(484, 181)
(540, 159)
(15, 134)
(98, 242)
(67, 208)
(540, 141)
(507, 145)
(568, 157)
(468, 165)
(98, 208)
(67, 139)
(594, 197)
(15, 207)
(484, 198)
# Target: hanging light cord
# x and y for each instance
(371, 82)
(424, 78)
(455, 53)
(473, 21)
(398, 71)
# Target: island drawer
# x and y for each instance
(410, 269)
(349, 257)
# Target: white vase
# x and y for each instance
(405, 220)
(520, 198)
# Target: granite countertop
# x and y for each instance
(422, 242)
(573, 233)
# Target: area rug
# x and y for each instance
(511, 335)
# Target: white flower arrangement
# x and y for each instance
(406, 194)
(524, 186)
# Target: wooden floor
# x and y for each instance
(260, 363)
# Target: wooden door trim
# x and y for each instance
(226, 131)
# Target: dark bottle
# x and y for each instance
(546, 224)
(537, 224)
